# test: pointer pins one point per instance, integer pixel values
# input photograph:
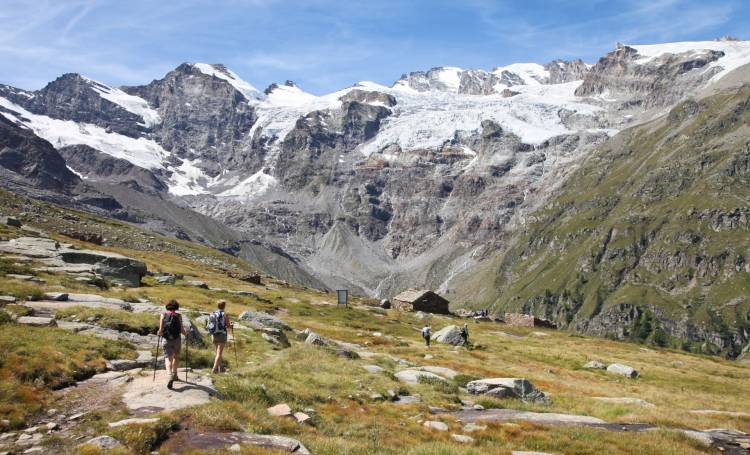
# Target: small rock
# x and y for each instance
(35, 450)
(280, 410)
(377, 334)
(197, 284)
(623, 370)
(23, 437)
(31, 430)
(385, 304)
(6, 436)
(301, 417)
(595, 365)
(51, 412)
(36, 321)
(7, 299)
(166, 279)
(52, 426)
(373, 368)
(478, 407)
(104, 442)
(507, 388)
(472, 427)
(377, 397)
(462, 438)
(120, 423)
(435, 425)
(234, 448)
(75, 417)
(56, 296)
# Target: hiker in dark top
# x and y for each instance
(218, 324)
(170, 328)
(465, 334)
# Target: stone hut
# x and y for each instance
(420, 300)
(527, 320)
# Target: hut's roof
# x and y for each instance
(412, 295)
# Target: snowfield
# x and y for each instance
(60, 133)
(736, 53)
(130, 103)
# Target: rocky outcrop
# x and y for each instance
(33, 159)
(63, 257)
(450, 334)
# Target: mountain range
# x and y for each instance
(609, 197)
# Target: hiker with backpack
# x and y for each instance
(217, 325)
(426, 335)
(465, 334)
(170, 328)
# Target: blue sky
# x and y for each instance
(325, 45)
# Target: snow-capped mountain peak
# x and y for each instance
(222, 72)
(287, 94)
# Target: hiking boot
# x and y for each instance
(169, 384)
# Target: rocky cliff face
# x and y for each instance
(648, 240)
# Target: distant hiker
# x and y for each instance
(426, 335)
(218, 323)
(465, 334)
(170, 328)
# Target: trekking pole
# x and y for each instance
(156, 358)
(187, 358)
(234, 343)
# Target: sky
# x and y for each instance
(326, 45)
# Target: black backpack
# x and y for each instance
(172, 326)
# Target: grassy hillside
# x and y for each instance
(337, 391)
(647, 241)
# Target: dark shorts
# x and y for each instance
(220, 337)
(172, 347)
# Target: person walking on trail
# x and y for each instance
(465, 334)
(170, 328)
(426, 335)
(218, 324)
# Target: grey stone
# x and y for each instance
(440, 371)
(104, 442)
(7, 299)
(36, 321)
(56, 296)
(507, 388)
(260, 319)
(144, 393)
(435, 425)
(626, 400)
(623, 370)
(595, 365)
(134, 421)
(462, 438)
(275, 337)
(449, 335)
(165, 279)
(280, 410)
(472, 427)
(412, 376)
(373, 368)
(196, 284)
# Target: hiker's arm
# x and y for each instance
(160, 332)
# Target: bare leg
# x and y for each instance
(175, 363)
(219, 353)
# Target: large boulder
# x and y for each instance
(259, 319)
(114, 267)
(275, 337)
(623, 370)
(194, 336)
(506, 388)
(449, 335)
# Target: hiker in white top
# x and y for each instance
(426, 335)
